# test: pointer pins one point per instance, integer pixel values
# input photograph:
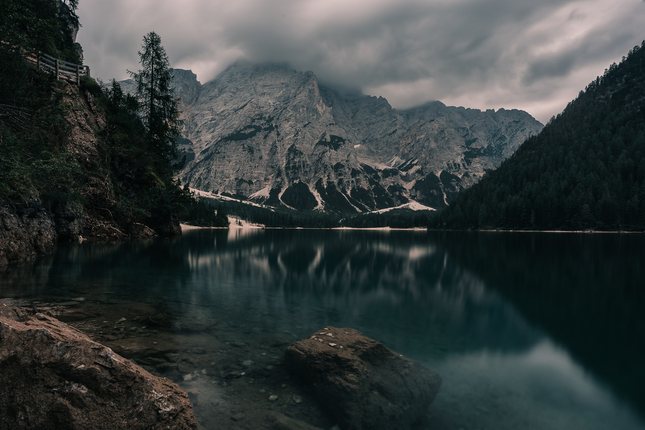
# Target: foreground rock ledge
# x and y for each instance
(363, 384)
(54, 377)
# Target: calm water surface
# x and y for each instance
(529, 331)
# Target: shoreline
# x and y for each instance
(541, 231)
(232, 376)
(187, 227)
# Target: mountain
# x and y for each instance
(585, 170)
(273, 135)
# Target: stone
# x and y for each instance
(27, 231)
(364, 385)
(273, 398)
(70, 220)
(277, 421)
(237, 417)
(172, 357)
(53, 376)
(140, 231)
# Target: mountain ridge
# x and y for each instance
(274, 135)
(585, 170)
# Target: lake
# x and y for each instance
(527, 330)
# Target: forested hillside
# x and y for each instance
(585, 170)
(75, 161)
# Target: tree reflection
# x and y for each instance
(586, 290)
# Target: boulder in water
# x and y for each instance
(363, 384)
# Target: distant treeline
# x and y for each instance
(585, 170)
(282, 217)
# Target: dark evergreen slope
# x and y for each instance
(585, 170)
(80, 158)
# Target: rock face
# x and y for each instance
(363, 384)
(54, 377)
(70, 220)
(270, 134)
(27, 231)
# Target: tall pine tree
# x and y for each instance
(159, 107)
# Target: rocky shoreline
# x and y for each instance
(55, 377)
(241, 380)
(29, 231)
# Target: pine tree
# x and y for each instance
(159, 107)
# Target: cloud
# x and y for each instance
(493, 53)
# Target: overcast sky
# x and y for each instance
(534, 55)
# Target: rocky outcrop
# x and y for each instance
(361, 383)
(270, 134)
(27, 231)
(54, 377)
(70, 220)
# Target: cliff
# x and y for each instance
(270, 134)
(79, 179)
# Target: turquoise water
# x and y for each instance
(528, 330)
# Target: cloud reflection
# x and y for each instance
(542, 388)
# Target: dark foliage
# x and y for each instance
(397, 218)
(158, 106)
(40, 25)
(285, 218)
(33, 161)
(585, 170)
(130, 181)
(200, 212)
(279, 217)
(142, 180)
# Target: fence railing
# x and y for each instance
(71, 72)
(62, 69)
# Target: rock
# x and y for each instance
(75, 315)
(70, 220)
(140, 231)
(237, 417)
(273, 398)
(277, 421)
(53, 376)
(172, 357)
(168, 227)
(27, 231)
(363, 385)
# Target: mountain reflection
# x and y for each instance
(398, 285)
(468, 303)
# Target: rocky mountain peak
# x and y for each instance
(272, 134)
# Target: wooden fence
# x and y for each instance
(71, 72)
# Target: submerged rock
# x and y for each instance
(276, 421)
(54, 377)
(361, 383)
